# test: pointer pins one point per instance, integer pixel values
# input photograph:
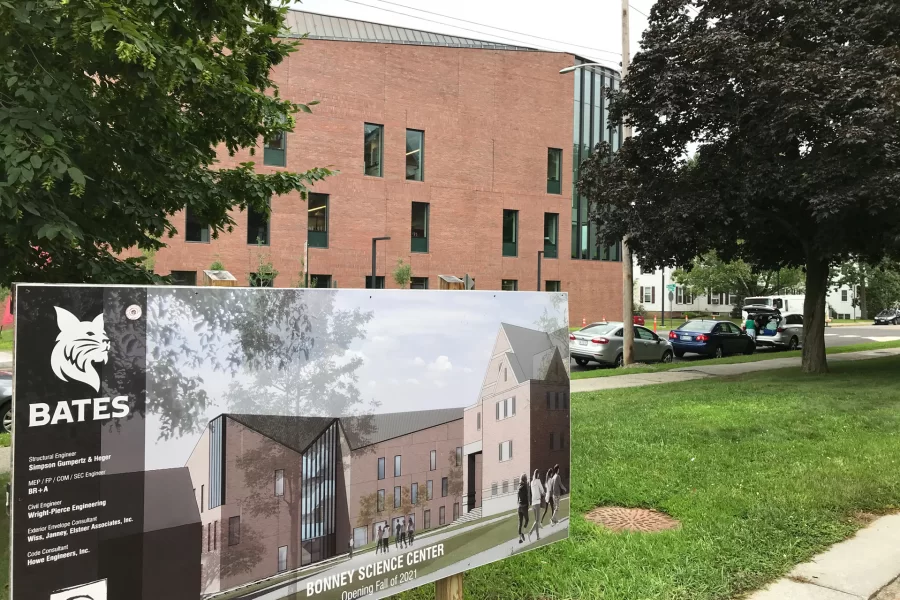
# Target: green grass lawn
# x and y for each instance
(763, 473)
(599, 371)
(6, 340)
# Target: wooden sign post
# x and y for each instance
(449, 588)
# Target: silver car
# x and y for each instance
(776, 330)
(602, 343)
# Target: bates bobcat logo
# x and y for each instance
(79, 345)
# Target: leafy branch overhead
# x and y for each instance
(111, 115)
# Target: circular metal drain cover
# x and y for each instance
(618, 518)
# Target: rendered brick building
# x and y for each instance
(463, 152)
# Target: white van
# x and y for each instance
(785, 304)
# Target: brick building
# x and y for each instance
(463, 152)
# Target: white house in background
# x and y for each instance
(651, 289)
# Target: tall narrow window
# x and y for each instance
(427, 519)
(279, 482)
(455, 510)
(380, 503)
(282, 558)
(458, 456)
(433, 460)
(275, 150)
(397, 496)
(317, 227)
(414, 493)
(509, 285)
(373, 146)
(551, 233)
(397, 461)
(415, 155)
(510, 233)
(420, 227)
(215, 535)
(554, 171)
(442, 514)
(429, 489)
(445, 486)
(257, 227)
(381, 468)
(478, 421)
(194, 229)
(234, 531)
(202, 490)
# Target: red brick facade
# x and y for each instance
(489, 117)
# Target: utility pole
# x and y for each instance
(627, 263)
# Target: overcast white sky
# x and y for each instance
(588, 28)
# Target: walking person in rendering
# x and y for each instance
(401, 532)
(387, 539)
(537, 494)
(557, 489)
(548, 507)
(524, 502)
(378, 540)
(410, 531)
(351, 548)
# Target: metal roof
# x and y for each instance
(531, 353)
(326, 27)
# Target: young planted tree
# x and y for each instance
(793, 107)
(111, 114)
(402, 274)
(709, 272)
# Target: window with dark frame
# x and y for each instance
(433, 460)
(429, 489)
(234, 531)
(183, 277)
(414, 493)
(397, 496)
(427, 519)
(379, 282)
(553, 286)
(445, 487)
(551, 235)
(397, 465)
(419, 233)
(442, 514)
(418, 283)
(415, 155)
(510, 232)
(317, 220)
(554, 171)
(381, 468)
(320, 281)
(282, 558)
(257, 227)
(373, 149)
(275, 150)
(194, 230)
(509, 285)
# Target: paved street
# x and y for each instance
(834, 337)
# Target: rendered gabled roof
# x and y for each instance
(297, 433)
(326, 27)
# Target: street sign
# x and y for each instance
(160, 441)
(470, 282)
(671, 295)
(671, 287)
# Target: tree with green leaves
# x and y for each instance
(709, 272)
(875, 287)
(111, 116)
(793, 109)
(402, 274)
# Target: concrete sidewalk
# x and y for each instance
(861, 568)
(701, 371)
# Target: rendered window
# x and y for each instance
(494, 489)
(317, 223)
(234, 531)
(415, 155)
(478, 421)
(419, 233)
(257, 227)
(397, 462)
(414, 493)
(429, 489)
(510, 232)
(282, 559)
(505, 486)
(445, 487)
(397, 495)
(506, 450)
(373, 148)
(194, 230)
(455, 510)
(551, 233)
(279, 482)
(433, 460)
(442, 513)
(505, 408)
(427, 519)
(554, 171)
(458, 457)
(380, 505)
(381, 468)
(202, 490)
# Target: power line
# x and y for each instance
(516, 41)
(537, 37)
(637, 10)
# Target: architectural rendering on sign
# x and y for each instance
(463, 152)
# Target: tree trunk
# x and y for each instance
(814, 360)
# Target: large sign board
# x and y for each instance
(198, 443)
